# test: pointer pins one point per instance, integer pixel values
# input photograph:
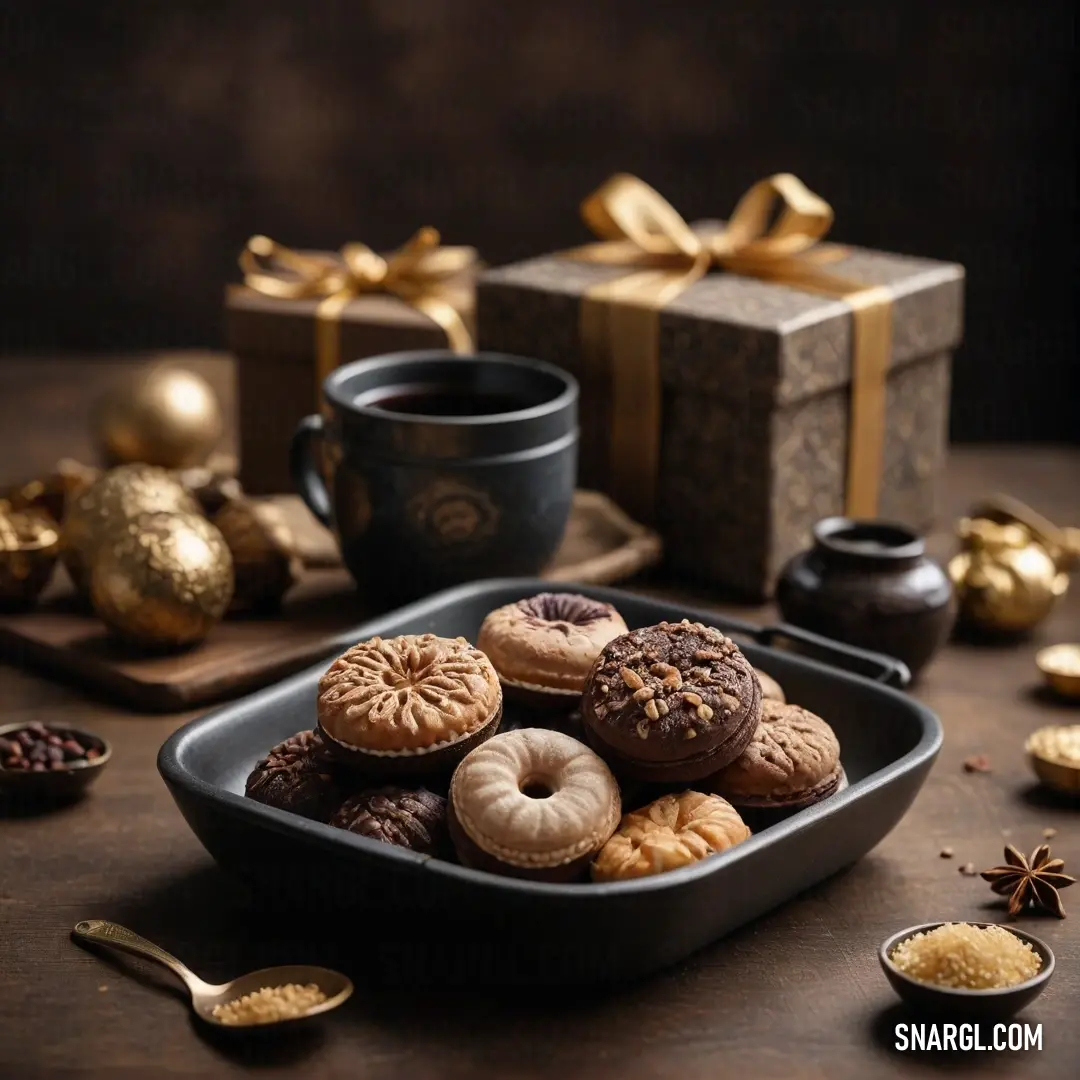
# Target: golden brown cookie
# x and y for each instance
(532, 803)
(792, 761)
(543, 646)
(771, 690)
(416, 703)
(673, 831)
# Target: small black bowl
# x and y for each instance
(982, 1005)
(57, 785)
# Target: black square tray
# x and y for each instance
(410, 913)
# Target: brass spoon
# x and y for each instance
(205, 996)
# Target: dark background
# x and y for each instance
(143, 142)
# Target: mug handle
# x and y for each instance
(303, 464)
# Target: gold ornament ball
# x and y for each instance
(29, 544)
(166, 416)
(109, 506)
(1006, 582)
(265, 562)
(165, 583)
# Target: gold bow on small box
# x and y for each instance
(620, 320)
(419, 273)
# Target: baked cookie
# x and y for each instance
(771, 690)
(673, 831)
(297, 775)
(670, 703)
(792, 761)
(408, 818)
(543, 646)
(532, 803)
(412, 704)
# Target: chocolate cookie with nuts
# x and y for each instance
(297, 775)
(670, 703)
(408, 818)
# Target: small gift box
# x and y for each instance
(740, 380)
(298, 315)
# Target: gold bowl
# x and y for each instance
(1054, 753)
(1060, 665)
(29, 547)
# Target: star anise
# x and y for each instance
(1035, 880)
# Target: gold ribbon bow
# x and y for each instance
(773, 234)
(417, 273)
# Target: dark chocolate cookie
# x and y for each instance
(409, 818)
(673, 702)
(298, 775)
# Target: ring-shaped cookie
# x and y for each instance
(532, 803)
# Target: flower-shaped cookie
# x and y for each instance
(408, 697)
(673, 831)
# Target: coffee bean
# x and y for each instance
(38, 748)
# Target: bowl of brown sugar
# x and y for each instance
(982, 971)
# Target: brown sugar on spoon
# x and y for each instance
(671, 703)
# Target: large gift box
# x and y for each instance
(300, 314)
(740, 380)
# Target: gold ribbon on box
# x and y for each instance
(773, 234)
(419, 273)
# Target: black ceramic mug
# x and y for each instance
(441, 468)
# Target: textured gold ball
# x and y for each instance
(166, 416)
(166, 582)
(265, 563)
(109, 506)
(1005, 581)
(29, 543)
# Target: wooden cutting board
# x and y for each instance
(601, 546)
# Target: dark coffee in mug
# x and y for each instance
(438, 469)
(441, 399)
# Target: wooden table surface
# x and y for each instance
(798, 993)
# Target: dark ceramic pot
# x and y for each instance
(871, 584)
(439, 469)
